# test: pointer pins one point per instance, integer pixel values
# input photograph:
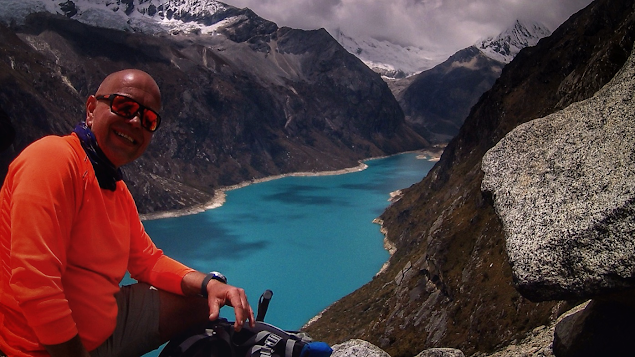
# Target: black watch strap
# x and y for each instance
(213, 275)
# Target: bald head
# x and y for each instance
(119, 82)
(121, 138)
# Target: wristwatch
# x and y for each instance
(212, 275)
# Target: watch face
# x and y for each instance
(218, 276)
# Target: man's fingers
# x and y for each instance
(239, 311)
(252, 320)
(241, 316)
(242, 309)
(236, 298)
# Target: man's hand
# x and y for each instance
(220, 294)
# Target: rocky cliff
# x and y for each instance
(450, 283)
(247, 101)
(437, 101)
(564, 189)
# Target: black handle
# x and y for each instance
(263, 304)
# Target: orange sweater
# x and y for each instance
(65, 245)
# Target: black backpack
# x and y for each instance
(219, 339)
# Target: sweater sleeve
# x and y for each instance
(148, 264)
(46, 188)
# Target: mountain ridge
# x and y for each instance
(247, 101)
(507, 44)
(436, 101)
(395, 61)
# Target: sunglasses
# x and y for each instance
(130, 108)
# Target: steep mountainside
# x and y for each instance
(242, 101)
(449, 283)
(437, 101)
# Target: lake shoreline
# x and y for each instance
(220, 193)
(431, 154)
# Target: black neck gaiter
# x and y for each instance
(107, 174)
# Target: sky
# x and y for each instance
(440, 24)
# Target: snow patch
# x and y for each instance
(390, 59)
(147, 16)
(472, 64)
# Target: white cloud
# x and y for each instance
(449, 24)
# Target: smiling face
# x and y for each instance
(122, 140)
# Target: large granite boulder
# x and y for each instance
(564, 189)
(361, 348)
(357, 348)
(441, 352)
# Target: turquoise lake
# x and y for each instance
(310, 239)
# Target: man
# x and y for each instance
(69, 230)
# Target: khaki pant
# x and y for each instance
(137, 331)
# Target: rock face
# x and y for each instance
(358, 348)
(250, 101)
(455, 285)
(441, 352)
(564, 189)
(437, 101)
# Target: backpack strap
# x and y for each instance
(264, 344)
(288, 349)
(188, 342)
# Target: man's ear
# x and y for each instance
(91, 104)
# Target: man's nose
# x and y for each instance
(136, 120)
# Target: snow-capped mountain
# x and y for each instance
(387, 58)
(506, 46)
(437, 101)
(209, 17)
(147, 16)
(395, 61)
